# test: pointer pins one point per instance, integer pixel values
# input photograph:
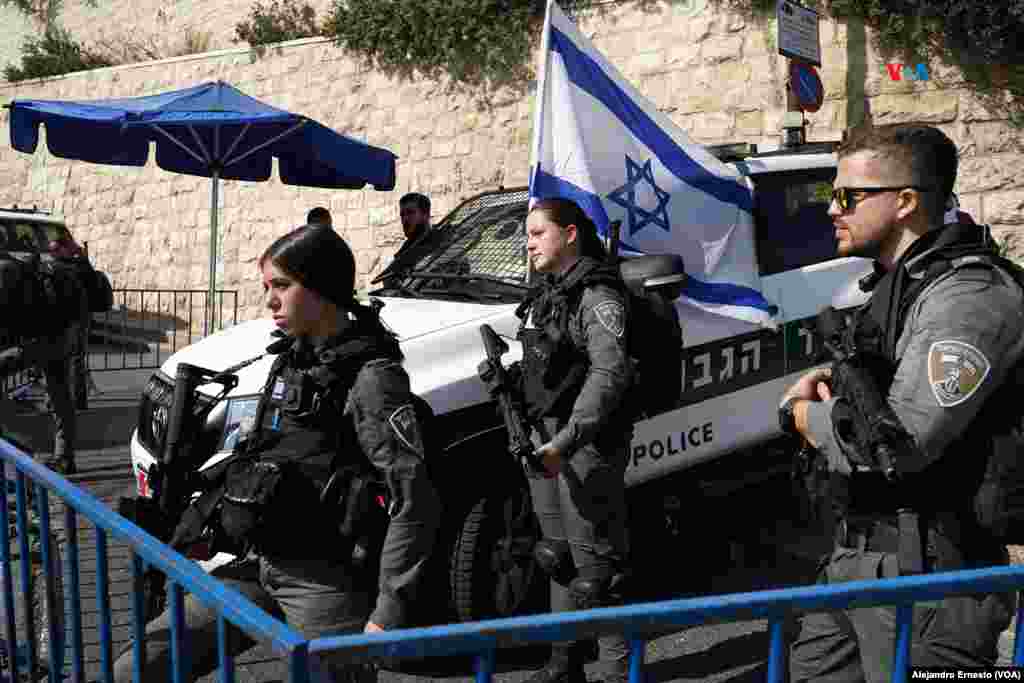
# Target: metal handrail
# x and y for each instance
(182, 574)
(640, 620)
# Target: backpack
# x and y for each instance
(97, 285)
(654, 336)
(655, 339)
(43, 296)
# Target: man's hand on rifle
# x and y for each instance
(550, 458)
(813, 386)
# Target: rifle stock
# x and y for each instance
(494, 375)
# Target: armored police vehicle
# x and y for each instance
(722, 437)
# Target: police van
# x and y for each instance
(723, 438)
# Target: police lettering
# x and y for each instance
(674, 443)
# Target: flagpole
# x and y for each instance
(541, 102)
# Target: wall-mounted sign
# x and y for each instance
(798, 32)
(806, 85)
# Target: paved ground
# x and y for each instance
(735, 652)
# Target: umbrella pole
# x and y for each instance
(211, 298)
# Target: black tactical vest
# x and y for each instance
(301, 439)
(876, 330)
(553, 367)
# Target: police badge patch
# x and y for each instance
(403, 421)
(955, 371)
(612, 316)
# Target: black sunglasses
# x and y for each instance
(843, 196)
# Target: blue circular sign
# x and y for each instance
(806, 85)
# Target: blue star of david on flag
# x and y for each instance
(625, 196)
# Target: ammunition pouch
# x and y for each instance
(249, 490)
(555, 559)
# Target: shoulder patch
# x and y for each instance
(612, 316)
(955, 371)
(406, 427)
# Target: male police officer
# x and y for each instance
(576, 373)
(946, 317)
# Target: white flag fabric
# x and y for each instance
(598, 141)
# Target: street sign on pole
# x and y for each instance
(806, 86)
(799, 36)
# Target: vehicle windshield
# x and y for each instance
(476, 253)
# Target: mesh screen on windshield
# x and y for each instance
(485, 236)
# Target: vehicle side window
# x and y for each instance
(793, 225)
(5, 240)
(25, 238)
(55, 233)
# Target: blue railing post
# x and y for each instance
(776, 652)
(637, 653)
(904, 631)
(179, 642)
(55, 635)
(484, 664)
(26, 576)
(10, 631)
(103, 605)
(227, 662)
(298, 663)
(74, 596)
(138, 619)
(1018, 642)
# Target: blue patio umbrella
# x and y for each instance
(212, 130)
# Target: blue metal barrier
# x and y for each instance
(182, 574)
(641, 620)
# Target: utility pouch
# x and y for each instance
(361, 508)
(250, 488)
(910, 551)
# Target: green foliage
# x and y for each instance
(279, 21)
(54, 54)
(476, 42)
(480, 45)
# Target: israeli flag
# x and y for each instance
(598, 141)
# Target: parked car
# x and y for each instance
(723, 436)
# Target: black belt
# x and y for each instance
(928, 542)
(903, 534)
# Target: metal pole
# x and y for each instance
(209, 323)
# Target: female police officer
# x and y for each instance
(338, 400)
(576, 328)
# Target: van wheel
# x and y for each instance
(493, 573)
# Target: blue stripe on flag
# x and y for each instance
(727, 294)
(545, 185)
(588, 76)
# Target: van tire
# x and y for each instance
(487, 581)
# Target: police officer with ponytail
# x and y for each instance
(576, 374)
(298, 501)
(941, 339)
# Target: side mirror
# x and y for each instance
(663, 274)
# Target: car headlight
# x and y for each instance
(239, 420)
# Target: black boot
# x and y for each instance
(565, 666)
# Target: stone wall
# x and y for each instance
(717, 75)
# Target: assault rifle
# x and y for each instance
(496, 378)
(859, 377)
